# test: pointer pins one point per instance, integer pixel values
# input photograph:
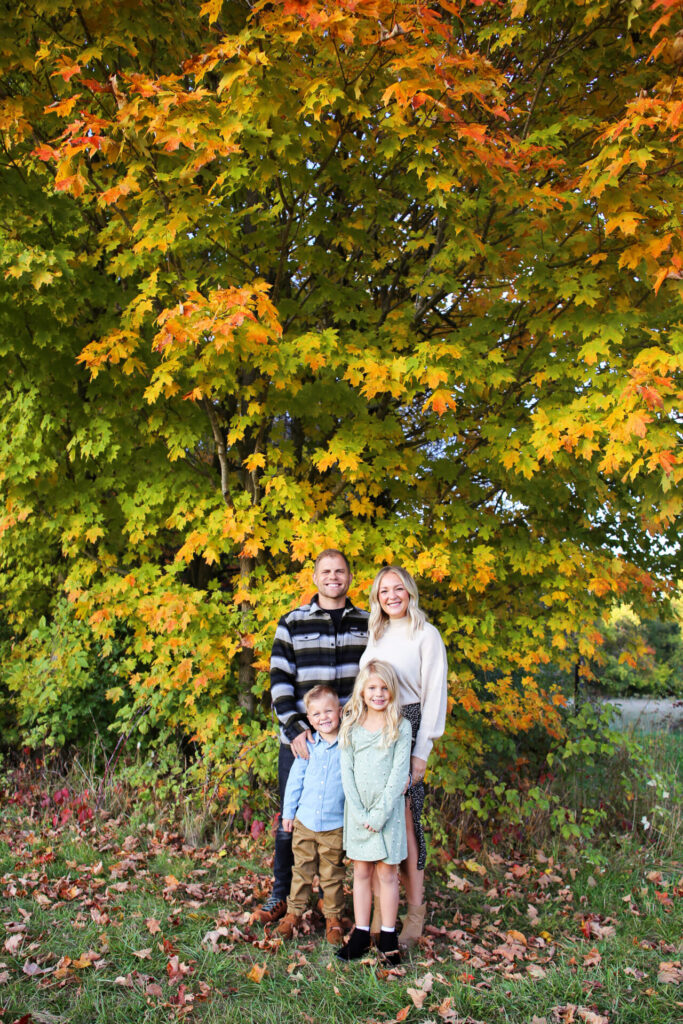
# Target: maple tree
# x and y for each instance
(400, 278)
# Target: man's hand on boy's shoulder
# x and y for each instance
(299, 747)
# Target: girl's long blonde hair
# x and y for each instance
(379, 620)
(355, 711)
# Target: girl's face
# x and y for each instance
(376, 694)
(393, 596)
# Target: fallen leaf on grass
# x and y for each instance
(592, 958)
(13, 943)
(538, 1020)
(4, 977)
(477, 869)
(143, 954)
(446, 1012)
(152, 925)
(589, 1017)
(211, 938)
(32, 969)
(153, 989)
(456, 882)
(536, 971)
(418, 996)
(670, 973)
(570, 1013)
(257, 972)
(519, 870)
(175, 969)
(402, 1014)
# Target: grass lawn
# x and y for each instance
(115, 922)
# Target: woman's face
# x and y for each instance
(393, 596)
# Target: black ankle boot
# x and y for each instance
(388, 946)
(356, 947)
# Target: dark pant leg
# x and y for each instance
(282, 861)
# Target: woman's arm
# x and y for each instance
(395, 786)
(433, 693)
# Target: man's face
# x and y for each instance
(324, 715)
(332, 578)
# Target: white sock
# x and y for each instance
(362, 927)
(388, 929)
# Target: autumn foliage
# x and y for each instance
(401, 278)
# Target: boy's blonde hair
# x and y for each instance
(355, 711)
(321, 690)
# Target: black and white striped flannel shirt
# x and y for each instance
(306, 652)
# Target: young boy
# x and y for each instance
(313, 811)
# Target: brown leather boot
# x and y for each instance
(272, 910)
(413, 923)
(334, 931)
(287, 925)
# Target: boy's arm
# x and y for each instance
(293, 791)
(393, 791)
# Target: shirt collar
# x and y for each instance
(315, 609)
(317, 738)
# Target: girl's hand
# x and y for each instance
(369, 827)
(418, 767)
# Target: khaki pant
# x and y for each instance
(322, 854)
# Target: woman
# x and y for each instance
(400, 635)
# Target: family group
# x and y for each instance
(360, 699)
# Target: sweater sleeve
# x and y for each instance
(396, 783)
(354, 803)
(434, 691)
(294, 787)
(283, 683)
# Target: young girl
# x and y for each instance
(375, 763)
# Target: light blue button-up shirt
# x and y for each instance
(314, 791)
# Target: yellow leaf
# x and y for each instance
(255, 461)
(257, 972)
(211, 9)
(42, 277)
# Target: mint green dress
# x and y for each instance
(374, 778)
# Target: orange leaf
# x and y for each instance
(257, 972)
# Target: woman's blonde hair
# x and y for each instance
(379, 619)
(355, 711)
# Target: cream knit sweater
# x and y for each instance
(420, 664)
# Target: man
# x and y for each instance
(318, 643)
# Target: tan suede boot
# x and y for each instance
(413, 923)
(376, 923)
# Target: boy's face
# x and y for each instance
(324, 714)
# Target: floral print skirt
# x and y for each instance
(413, 713)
